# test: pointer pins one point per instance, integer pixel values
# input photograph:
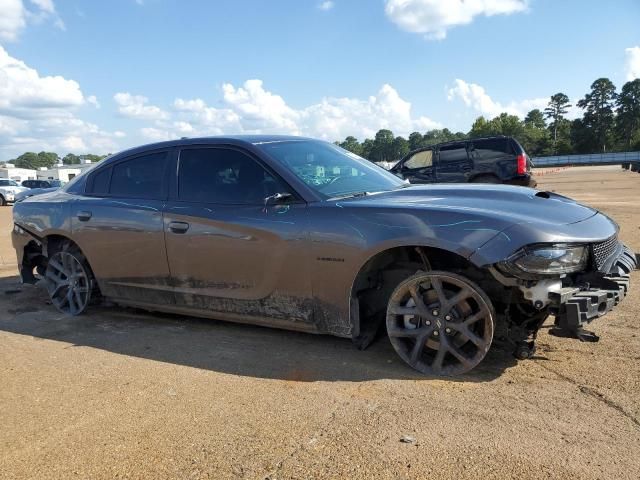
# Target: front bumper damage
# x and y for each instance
(594, 295)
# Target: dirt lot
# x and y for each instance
(119, 394)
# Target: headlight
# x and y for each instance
(551, 259)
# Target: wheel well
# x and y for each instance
(37, 252)
(380, 275)
(52, 242)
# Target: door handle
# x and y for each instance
(178, 227)
(84, 216)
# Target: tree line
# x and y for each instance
(610, 122)
(34, 161)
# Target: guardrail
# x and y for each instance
(591, 159)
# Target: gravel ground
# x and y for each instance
(123, 394)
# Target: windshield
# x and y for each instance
(330, 170)
(8, 183)
(55, 183)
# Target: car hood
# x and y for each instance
(509, 204)
(13, 189)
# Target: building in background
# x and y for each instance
(62, 172)
(9, 170)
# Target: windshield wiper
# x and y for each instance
(350, 195)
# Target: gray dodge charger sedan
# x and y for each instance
(299, 234)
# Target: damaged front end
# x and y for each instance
(577, 283)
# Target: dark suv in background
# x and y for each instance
(42, 183)
(498, 159)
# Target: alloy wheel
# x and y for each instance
(68, 283)
(440, 323)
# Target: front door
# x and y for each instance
(229, 250)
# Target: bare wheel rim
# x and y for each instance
(68, 283)
(439, 323)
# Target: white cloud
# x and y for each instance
(135, 106)
(93, 100)
(475, 96)
(434, 17)
(632, 63)
(251, 108)
(14, 16)
(38, 113)
(326, 5)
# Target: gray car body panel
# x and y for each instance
(289, 266)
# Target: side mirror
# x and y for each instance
(277, 199)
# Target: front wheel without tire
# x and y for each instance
(69, 281)
(440, 323)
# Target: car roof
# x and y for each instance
(239, 140)
(454, 142)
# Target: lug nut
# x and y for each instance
(435, 313)
(447, 318)
(448, 330)
(436, 333)
(427, 322)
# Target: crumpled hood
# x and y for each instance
(507, 204)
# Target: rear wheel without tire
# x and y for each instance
(440, 323)
(69, 280)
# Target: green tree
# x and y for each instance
(36, 160)
(48, 159)
(535, 136)
(481, 128)
(628, 110)
(71, 159)
(415, 140)
(599, 111)
(351, 143)
(367, 149)
(383, 146)
(535, 119)
(556, 110)
(400, 148)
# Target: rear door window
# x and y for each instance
(420, 160)
(138, 177)
(491, 148)
(453, 153)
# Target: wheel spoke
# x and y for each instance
(436, 284)
(475, 317)
(418, 347)
(56, 265)
(417, 298)
(439, 358)
(453, 350)
(456, 299)
(466, 333)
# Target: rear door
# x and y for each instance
(418, 168)
(494, 156)
(453, 164)
(229, 250)
(118, 225)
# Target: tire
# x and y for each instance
(2, 201)
(69, 279)
(440, 323)
(486, 179)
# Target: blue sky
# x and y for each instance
(81, 75)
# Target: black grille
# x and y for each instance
(602, 251)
